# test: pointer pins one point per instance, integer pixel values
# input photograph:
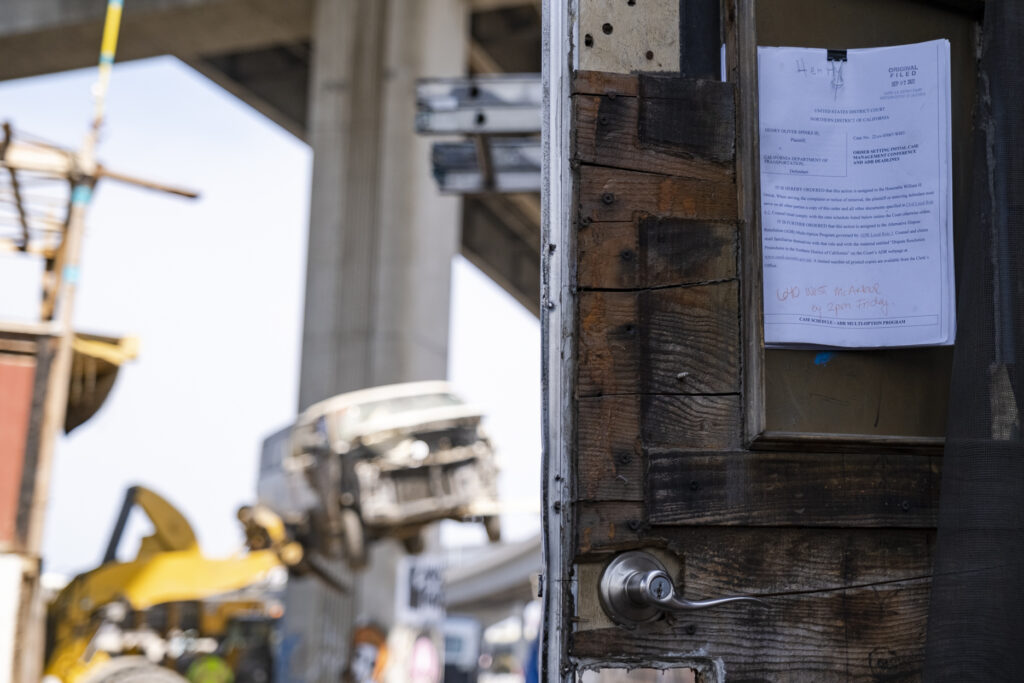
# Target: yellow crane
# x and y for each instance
(169, 567)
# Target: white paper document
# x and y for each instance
(856, 196)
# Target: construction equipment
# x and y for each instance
(91, 622)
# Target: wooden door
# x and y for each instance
(660, 398)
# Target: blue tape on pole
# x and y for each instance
(106, 59)
(117, 3)
(82, 194)
(70, 274)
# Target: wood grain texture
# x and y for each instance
(688, 116)
(777, 489)
(655, 252)
(608, 526)
(710, 561)
(609, 457)
(682, 340)
(741, 57)
(605, 83)
(691, 422)
(613, 431)
(610, 343)
(870, 633)
(608, 194)
(692, 339)
(608, 129)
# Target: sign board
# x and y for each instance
(420, 591)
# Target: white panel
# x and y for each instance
(10, 595)
(624, 36)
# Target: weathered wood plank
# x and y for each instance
(692, 339)
(609, 459)
(691, 422)
(741, 59)
(688, 116)
(610, 343)
(870, 633)
(611, 526)
(607, 134)
(721, 560)
(777, 489)
(682, 340)
(615, 195)
(605, 83)
(610, 436)
(655, 252)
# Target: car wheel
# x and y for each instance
(492, 523)
(353, 538)
(414, 544)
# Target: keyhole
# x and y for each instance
(660, 588)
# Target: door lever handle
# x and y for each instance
(635, 588)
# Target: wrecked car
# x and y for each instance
(387, 461)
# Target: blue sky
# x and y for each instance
(213, 288)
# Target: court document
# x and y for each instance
(856, 196)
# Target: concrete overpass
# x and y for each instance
(261, 51)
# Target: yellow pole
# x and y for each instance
(30, 656)
(81, 194)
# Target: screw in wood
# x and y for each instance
(608, 198)
(649, 55)
(607, 28)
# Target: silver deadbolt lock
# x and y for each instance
(635, 589)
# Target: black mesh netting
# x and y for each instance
(976, 617)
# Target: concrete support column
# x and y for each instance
(381, 242)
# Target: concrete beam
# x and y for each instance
(502, 238)
(501, 576)
(274, 81)
(44, 36)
